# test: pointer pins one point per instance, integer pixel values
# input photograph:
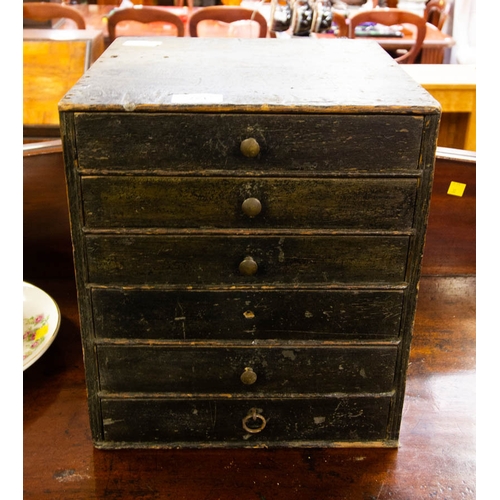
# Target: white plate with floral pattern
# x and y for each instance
(41, 320)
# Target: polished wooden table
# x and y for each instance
(437, 454)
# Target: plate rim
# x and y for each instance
(43, 348)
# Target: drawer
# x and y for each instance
(222, 370)
(219, 260)
(248, 203)
(186, 142)
(246, 315)
(220, 421)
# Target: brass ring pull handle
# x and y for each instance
(250, 147)
(251, 207)
(248, 267)
(248, 377)
(253, 416)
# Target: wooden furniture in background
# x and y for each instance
(226, 14)
(437, 12)
(432, 52)
(47, 251)
(450, 246)
(238, 236)
(391, 17)
(53, 61)
(46, 11)
(433, 47)
(145, 15)
(454, 86)
(340, 21)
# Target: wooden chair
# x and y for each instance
(226, 14)
(143, 15)
(339, 20)
(391, 17)
(46, 11)
(437, 12)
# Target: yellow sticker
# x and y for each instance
(456, 188)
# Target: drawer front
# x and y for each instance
(219, 203)
(194, 142)
(244, 315)
(201, 422)
(218, 370)
(211, 260)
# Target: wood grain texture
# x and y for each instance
(281, 369)
(168, 260)
(210, 143)
(157, 202)
(437, 444)
(451, 237)
(141, 164)
(279, 83)
(248, 315)
(50, 69)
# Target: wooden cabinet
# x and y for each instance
(248, 220)
(53, 61)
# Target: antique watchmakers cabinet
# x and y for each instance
(248, 220)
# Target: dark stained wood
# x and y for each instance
(437, 443)
(436, 457)
(193, 85)
(248, 315)
(173, 423)
(125, 147)
(282, 369)
(437, 453)
(180, 202)
(198, 143)
(319, 260)
(450, 243)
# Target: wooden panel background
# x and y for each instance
(51, 68)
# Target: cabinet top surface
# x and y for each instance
(247, 75)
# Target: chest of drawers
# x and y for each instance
(248, 222)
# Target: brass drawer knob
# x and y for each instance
(248, 267)
(250, 147)
(248, 377)
(251, 207)
(254, 422)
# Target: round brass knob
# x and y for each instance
(248, 267)
(250, 147)
(254, 417)
(248, 377)
(251, 207)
